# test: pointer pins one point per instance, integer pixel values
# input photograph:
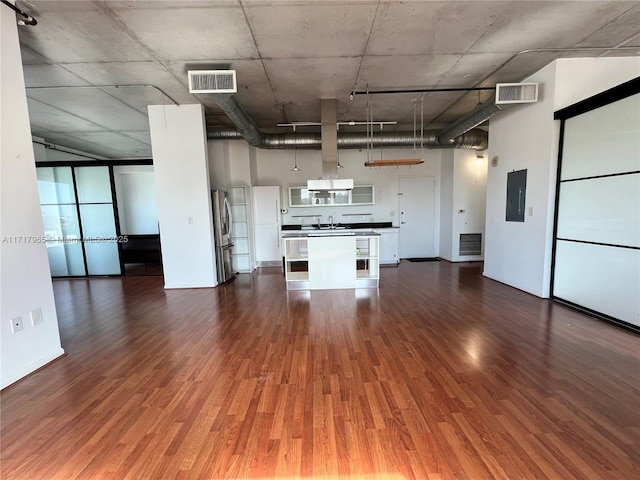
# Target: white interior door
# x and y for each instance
(417, 216)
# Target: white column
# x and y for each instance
(25, 279)
(179, 146)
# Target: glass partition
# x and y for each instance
(79, 220)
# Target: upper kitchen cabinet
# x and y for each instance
(360, 195)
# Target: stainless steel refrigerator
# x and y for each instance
(222, 231)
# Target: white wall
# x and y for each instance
(526, 137)
(179, 145)
(446, 205)
(274, 168)
(464, 183)
(25, 279)
(236, 163)
(136, 195)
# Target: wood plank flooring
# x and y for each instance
(439, 374)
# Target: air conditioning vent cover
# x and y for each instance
(509, 93)
(212, 81)
(470, 244)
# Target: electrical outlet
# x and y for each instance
(16, 324)
(36, 317)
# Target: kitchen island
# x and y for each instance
(331, 259)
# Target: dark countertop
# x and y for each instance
(347, 225)
(327, 233)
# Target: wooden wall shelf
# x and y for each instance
(400, 162)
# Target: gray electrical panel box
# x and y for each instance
(516, 195)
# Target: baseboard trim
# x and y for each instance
(33, 368)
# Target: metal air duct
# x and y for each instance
(507, 95)
(476, 139)
(481, 114)
(246, 128)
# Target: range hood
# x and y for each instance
(330, 184)
(329, 132)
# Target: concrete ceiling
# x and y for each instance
(288, 55)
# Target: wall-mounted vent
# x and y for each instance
(470, 244)
(212, 81)
(508, 93)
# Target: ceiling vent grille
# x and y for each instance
(508, 93)
(212, 81)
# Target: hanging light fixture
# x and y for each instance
(295, 149)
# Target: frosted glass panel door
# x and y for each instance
(98, 220)
(100, 240)
(64, 248)
(597, 240)
(79, 220)
(60, 218)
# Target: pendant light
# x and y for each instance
(295, 149)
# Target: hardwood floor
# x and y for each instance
(439, 374)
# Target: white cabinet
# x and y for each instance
(302, 197)
(266, 214)
(268, 245)
(388, 245)
(331, 261)
(266, 205)
(296, 263)
(367, 261)
(240, 228)
(362, 195)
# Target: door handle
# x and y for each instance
(402, 223)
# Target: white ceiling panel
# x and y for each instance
(296, 30)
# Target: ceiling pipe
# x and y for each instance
(248, 130)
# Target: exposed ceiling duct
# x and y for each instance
(476, 139)
(507, 95)
(246, 128)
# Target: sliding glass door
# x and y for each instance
(79, 220)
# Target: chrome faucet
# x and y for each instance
(331, 225)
